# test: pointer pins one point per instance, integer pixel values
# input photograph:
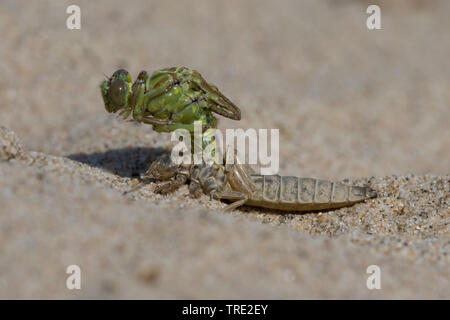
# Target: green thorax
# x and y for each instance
(178, 94)
(169, 99)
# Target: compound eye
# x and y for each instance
(121, 74)
(143, 75)
(117, 94)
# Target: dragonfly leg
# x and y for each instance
(239, 198)
(171, 186)
(153, 121)
(195, 190)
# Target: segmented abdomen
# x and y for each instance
(304, 194)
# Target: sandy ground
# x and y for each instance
(371, 106)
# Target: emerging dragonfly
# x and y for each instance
(169, 99)
(174, 98)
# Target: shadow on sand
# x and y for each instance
(126, 162)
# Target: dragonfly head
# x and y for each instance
(116, 90)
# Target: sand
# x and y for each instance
(369, 106)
